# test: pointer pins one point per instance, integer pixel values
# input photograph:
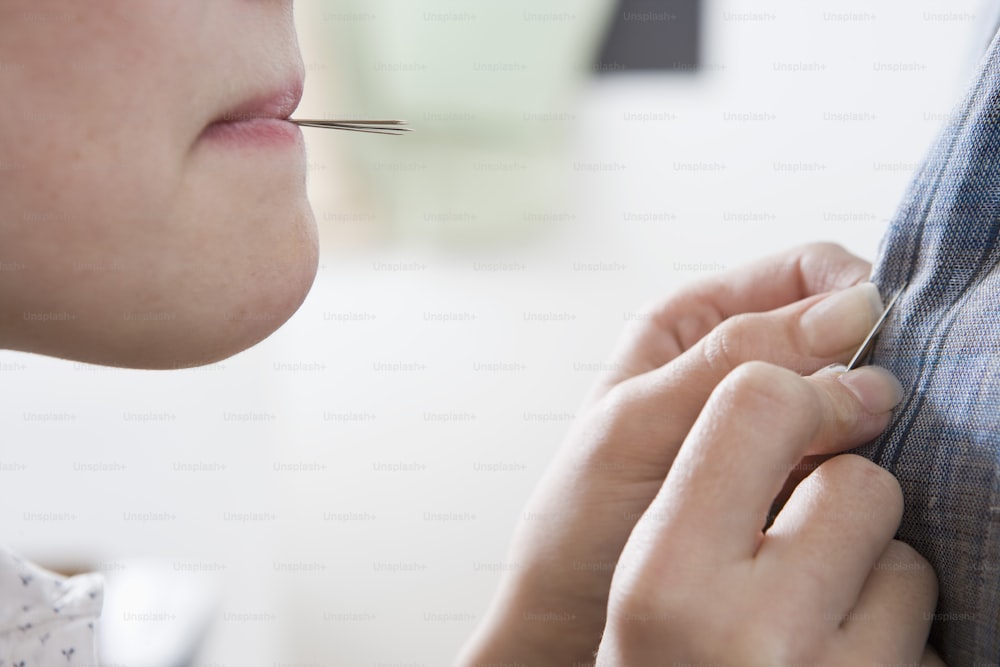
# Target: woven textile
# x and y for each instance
(943, 343)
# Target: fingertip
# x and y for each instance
(877, 390)
(830, 266)
(902, 559)
(857, 406)
(931, 658)
(839, 322)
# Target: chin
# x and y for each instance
(212, 337)
(223, 296)
(234, 312)
(236, 281)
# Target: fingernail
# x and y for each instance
(832, 369)
(877, 389)
(842, 320)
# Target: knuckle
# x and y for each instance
(822, 248)
(648, 317)
(634, 612)
(617, 406)
(610, 436)
(758, 386)
(665, 615)
(776, 641)
(725, 347)
(821, 254)
(825, 265)
(682, 318)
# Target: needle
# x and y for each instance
(870, 340)
(393, 127)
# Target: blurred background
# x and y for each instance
(343, 493)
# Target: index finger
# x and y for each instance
(678, 322)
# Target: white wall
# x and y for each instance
(314, 394)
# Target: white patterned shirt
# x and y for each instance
(47, 619)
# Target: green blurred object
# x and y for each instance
(489, 88)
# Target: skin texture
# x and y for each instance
(125, 239)
(604, 550)
(825, 583)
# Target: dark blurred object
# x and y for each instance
(652, 35)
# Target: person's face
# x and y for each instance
(130, 233)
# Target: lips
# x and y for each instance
(277, 105)
(259, 118)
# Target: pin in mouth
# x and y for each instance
(393, 127)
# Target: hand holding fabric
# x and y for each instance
(801, 310)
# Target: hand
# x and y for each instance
(617, 456)
(699, 582)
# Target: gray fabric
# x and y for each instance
(943, 342)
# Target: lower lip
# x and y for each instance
(255, 132)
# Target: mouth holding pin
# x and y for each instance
(265, 119)
(259, 119)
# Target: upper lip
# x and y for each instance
(277, 103)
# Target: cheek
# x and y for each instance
(91, 123)
(135, 247)
(176, 260)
